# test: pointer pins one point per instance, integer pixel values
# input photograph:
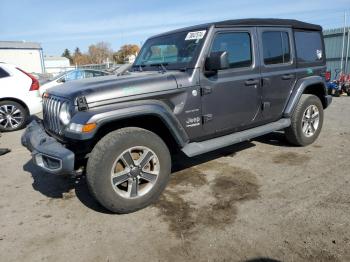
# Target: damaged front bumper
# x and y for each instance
(47, 153)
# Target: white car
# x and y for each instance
(19, 97)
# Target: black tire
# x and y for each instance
(294, 132)
(7, 125)
(102, 160)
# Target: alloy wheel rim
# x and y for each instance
(10, 117)
(135, 172)
(311, 120)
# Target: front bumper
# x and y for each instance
(47, 152)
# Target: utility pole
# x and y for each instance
(347, 52)
(343, 46)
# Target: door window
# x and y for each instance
(79, 74)
(89, 74)
(276, 47)
(238, 47)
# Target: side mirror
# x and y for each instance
(61, 80)
(216, 61)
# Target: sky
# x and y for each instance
(69, 24)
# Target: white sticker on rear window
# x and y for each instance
(195, 35)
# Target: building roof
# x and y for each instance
(55, 58)
(19, 45)
(335, 31)
(296, 24)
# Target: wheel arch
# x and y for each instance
(151, 122)
(17, 101)
(154, 116)
(313, 85)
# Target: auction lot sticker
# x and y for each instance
(195, 35)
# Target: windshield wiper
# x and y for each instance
(161, 65)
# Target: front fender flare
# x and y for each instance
(126, 110)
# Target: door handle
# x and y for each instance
(251, 82)
(288, 76)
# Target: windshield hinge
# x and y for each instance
(205, 90)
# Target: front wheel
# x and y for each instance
(128, 169)
(306, 121)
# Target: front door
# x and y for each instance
(231, 99)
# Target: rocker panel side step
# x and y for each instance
(197, 148)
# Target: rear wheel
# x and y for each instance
(128, 169)
(306, 121)
(13, 116)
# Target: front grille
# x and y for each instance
(51, 110)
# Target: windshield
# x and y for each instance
(174, 51)
(60, 75)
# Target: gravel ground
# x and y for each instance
(258, 199)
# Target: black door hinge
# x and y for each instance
(207, 118)
(82, 104)
(266, 106)
(206, 90)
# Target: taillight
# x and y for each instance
(35, 83)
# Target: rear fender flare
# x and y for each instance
(299, 89)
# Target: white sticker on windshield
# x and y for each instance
(195, 35)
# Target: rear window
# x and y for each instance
(309, 47)
(276, 47)
(3, 73)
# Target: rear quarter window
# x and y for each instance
(309, 47)
(3, 73)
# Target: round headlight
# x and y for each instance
(64, 114)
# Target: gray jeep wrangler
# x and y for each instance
(195, 89)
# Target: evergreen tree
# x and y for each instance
(66, 53)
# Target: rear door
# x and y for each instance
(278, 65)
(231, 98)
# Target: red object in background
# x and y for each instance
(347, 78)
(328, 76)
(35, 83)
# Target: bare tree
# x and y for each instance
(100, 52)
(79, 58)
(124, 52)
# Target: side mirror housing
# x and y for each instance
(62, 80)
(217, 61)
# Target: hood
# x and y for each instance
(111, 87)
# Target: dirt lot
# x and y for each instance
(257, 199)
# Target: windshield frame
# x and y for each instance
(137, 65)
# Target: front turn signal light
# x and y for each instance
(88, 127)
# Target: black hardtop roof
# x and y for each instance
(296, 24)
(270, 22)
